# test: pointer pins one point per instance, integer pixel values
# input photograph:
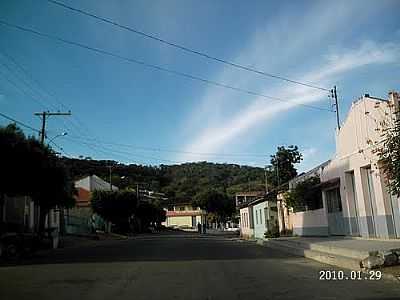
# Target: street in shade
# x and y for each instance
(179, 265)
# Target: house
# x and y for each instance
(184, 215)
(355, 192)
(77, 218)
(265, 217)
(20, 214)
(246, 221)
(305, 221)
(257, 217)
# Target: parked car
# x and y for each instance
(14, 244)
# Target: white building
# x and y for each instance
(355, 194)
(184, 215)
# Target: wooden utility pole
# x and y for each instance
(44, 115)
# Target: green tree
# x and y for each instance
(114, 206)
(32, 169)
(216, 203)
(283, 162)
(389, 156)
(306, 195)
(150, 214)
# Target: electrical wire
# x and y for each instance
(186, 49)
(169, 150)
(156, 67)
(19, 122)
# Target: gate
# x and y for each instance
(335, 214)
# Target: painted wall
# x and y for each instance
(309, 223)
(92, 183)
(355, 146)
(179, 221)
(246, 222)
(260, 219)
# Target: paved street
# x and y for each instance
(178, 266)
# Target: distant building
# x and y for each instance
(184, 215)
(247, 197)
(246, 221)
(151, 196)
(257, 217)
(77, 219)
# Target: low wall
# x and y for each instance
(246, 233)
(310, 223)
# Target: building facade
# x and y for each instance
(20, 214)
(184, 216)
(79, 218)
(246, 222)
(307, 221)
(355, 192)
(264, 217)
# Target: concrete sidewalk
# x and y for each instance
(352, 246)
(346, 252)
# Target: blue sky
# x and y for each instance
(134, 114)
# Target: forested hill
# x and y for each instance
(179, 182)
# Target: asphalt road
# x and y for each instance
(179, 266)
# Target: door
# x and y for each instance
(335, 214)
(353, 201)
(370, 201)
(395, 207)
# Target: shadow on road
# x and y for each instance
(164, 247)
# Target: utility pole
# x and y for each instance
(277, 171)
(110, 177)
(44, 116)
(266, 180)
(334, 96)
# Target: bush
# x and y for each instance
(273, 233)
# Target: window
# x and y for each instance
(256, 216)
(260, 216)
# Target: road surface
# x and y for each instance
(179, 266)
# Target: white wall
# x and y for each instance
(92, 183)
(308, 223)
(356, 142)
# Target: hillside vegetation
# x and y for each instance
(180, 182)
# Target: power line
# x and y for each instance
(156, 67)
(25, 92)
(184, 48)
(59, 148)
(119, 152)
(171, 150)
(42, 90)
(19, 122)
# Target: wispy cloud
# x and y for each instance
(213, 138)
(221, 117)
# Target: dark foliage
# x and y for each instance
(283, 164)
(306, 195)
(32, 169)
(114, 206)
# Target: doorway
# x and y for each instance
(335, 212)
